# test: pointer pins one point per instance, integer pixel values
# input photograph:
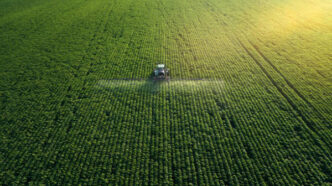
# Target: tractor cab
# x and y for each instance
(161, 72)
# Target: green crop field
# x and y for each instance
(249, 101)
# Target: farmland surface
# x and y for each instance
(249, 100)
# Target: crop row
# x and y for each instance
(73, 115)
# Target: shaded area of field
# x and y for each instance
(248, 101)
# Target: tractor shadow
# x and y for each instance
(151, 85)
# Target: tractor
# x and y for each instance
(161, 72)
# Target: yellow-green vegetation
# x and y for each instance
(249, 101)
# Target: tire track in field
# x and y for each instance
(175, 178)
(102, 27)
(180, 42)
(323, 119)
(286, 80)
(289, 100)
(278, 71)
(113, 163)
(305, 119)
(57, 116)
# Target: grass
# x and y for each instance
(261, 115)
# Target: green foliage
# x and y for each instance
(261, 116)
